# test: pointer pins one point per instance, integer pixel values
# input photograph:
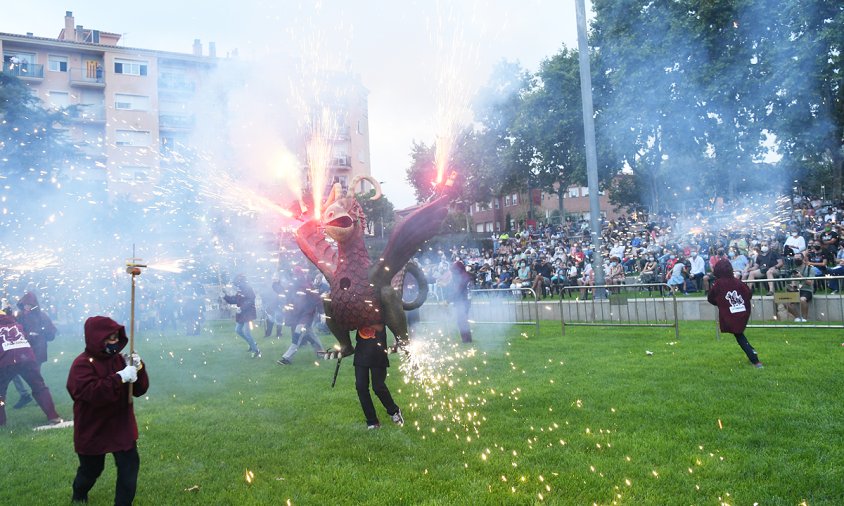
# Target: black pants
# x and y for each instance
(379, 386)
(748, 350)
(91, 466)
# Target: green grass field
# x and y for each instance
(583, 418)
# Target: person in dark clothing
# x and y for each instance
(244, 298)
(303, 308)
(274, 301)
(371, 361)
(103, 418)
(459, 298)
(39, 330)
(733, 300)
(17, 358)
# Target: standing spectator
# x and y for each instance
(459, 298)
(25, 398)
(17, 358)
(371, 360)
(244, 298)
(733, 300)
(805, 290)
(103, 418)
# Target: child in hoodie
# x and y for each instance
(16, 357)
(104, 421)
(733, 300)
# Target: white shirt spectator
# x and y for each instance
(697, 265)
(796, 242)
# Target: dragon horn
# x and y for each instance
(375, 183)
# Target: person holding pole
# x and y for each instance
(104, 419)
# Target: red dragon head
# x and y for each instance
(343, 216)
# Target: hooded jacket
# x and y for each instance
(732, 298)
(14, 348)
(245, 300)
(37, 325)
(104, 421)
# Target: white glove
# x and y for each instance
(129, 374)
(135, 360)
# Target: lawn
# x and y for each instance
(584, 418)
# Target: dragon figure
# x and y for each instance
(366, 296)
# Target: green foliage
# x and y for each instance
(583, 418)
(380, 214)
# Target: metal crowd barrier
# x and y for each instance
(629, 305)
(497, 306)
(825, 310)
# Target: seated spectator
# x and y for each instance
(696, 270)
(586, 279)
(837, 270)
(615, 273)
(650, 272)
(795, 244)
(817, 257)
(768, 265)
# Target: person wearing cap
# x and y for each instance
(17, 358)
(103, 418)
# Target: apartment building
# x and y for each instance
(493, 216)
(135, 105)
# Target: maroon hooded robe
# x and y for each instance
(103, 419)
(37, 325)
(732, 297)
(16, 358)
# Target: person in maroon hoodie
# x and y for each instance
(16, 358)
(733, 300)
(104, 421)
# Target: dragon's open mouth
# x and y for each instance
(341, 222)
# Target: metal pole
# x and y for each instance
(132, 332)
(589, 136)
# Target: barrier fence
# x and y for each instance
(629, 305)
(784, 308)
(493, 306)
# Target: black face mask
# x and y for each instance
(112, 348)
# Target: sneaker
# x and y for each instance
(800, 319)
(758, 365)
(373, 426)
(282, 361)
(397, 418)
(23, 401)
(55, 421)
(770, 293)
(256, 354)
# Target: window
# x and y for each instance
(130, 174)
(497, 203)
(59, 99)
(506, 200)
(515, 199)
(57, 63)
(131, 102)
(573, 193)
(130, 67)
(584, 191)
(360, 126)
(132, 138)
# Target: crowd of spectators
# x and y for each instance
(768, 237)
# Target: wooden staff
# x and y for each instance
(133, 268)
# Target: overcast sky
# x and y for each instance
(391, 44)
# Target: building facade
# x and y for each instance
(135, 105)
(513, 211)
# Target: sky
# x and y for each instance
(398, 47)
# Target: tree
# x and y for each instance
(380, 214)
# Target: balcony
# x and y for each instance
(176, 121)
(87, 78)
(24, 70)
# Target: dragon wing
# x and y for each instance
(317, 249)
(408, 237)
